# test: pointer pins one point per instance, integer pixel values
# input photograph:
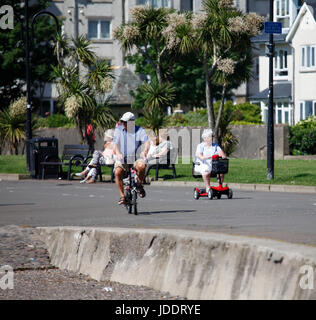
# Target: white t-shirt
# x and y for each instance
(163, 146)
(207, 151)
(152, 149)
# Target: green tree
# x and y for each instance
(157, 97)
(84, 83)
(145, 34)
(12, 53)
(220, 35)
(186, 75)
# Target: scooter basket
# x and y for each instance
(219, 166)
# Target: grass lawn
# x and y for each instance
(296, 172)
(13, 164)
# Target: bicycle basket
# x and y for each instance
(219, 166)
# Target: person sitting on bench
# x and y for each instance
(158, 154)
(105, 157)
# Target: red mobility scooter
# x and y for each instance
(219, 166)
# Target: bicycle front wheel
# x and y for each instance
(134, 202)
(129, 202)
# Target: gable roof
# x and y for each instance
(126, 81)
(305, 7)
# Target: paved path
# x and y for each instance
(284, 216)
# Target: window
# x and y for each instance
(155, 3)
(237, 3)
(283, 113)
(186, 5)
(280, 63)
(99, 29)
(308, 57)
(282, 12)
(307, 109)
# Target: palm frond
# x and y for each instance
(12, 129)
(83, 51)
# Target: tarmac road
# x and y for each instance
(283, 216)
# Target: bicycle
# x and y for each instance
(130, 190)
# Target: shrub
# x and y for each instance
(54, 121)
(302, 137)
(176, 120)
(247, 113)
(192, 118)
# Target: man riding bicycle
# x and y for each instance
(128, 139)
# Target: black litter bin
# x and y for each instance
(40, 148)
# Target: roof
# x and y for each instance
(311, 8)
(285, 37)
(280, 91)
(264, 37)
(124, 83)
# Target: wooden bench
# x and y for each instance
(171, 160)
(73, 155)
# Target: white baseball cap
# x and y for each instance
(128, 116)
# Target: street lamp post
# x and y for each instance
(270, 135)
(28, 85)
(28, 73)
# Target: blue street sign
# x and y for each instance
(272, 27)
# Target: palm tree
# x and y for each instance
(157, 98)
(13, 125)
(145, 34)
(218, 36)
(84, 97)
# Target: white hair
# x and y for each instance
(207, 133)
(108, 134)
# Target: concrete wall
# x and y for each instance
(253, 141)
(196, 265)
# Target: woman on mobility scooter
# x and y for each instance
(207, 154)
